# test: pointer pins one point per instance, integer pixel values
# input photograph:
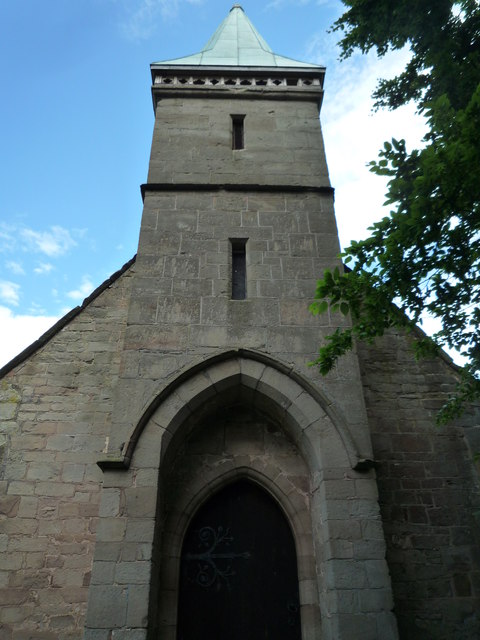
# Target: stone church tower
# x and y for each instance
(171, 466)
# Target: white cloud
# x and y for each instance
(43, 267)
(15, 267)
(19, 331)
(36, 310)
(9, 293)
(7, 237)
(277, 4)
(143, 16)
(354, 134)
(84, 290)
(53, 243)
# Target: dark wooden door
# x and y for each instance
(238, 570)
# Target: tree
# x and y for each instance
(424, 257)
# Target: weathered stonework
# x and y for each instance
(162, 389)
(55, 419)
(429, 492)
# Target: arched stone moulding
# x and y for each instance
(298, 402)
(343, 511)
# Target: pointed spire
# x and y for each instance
(236, 43)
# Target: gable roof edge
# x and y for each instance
(66, 319)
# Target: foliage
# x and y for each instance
(425, 256)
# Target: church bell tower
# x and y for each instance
(250, 507)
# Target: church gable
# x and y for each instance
(151, 439)
(56, 409)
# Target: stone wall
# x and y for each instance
(181, 309)
(55, 417)
(192, 141)
(187, 446)
(429, 492)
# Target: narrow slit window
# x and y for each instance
(238, 133)
(239, 269)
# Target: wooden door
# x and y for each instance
(238, 575)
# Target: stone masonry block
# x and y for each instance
(302, 340)
(133, 572)
(359, 626)
(73, 472)
(113, 479)
(196, 390)
(280, 222)
(181, 266)
(128, 634)
(97, 634)
(194, 200)
(107, 607)
(369, 550)
(110, 503)
(295, 312)
(147, 478)
(230, 202)
(111, 529)
(251, 372)
(155, 242)
(355, 509)
(214, 311)
(336, 451)
(339, 489)
(308, 591)
(345, 574)
(343, 601)
(253, 313)
(193, 288)
(302, 245)
(343, 530)
(54, 489)
(298, 268)
(387, 625)
(266, 202)
(224, 374)
(144, 311)
(107, 552)
(377, 574)
(137, 612)
(140, 502)
(372, 600)
(281, 386)
(306, 411)
(140, 530)
(178, 310)
(327, 246)
(170, 410)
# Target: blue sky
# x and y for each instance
(76, 121)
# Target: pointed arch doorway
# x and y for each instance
(238, 575)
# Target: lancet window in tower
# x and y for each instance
(239, 269)
(238, 133)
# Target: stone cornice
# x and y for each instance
(232, 82)
(265, 188)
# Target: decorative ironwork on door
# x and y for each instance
(238, 570)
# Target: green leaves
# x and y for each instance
(425, 255)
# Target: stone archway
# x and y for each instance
(343, 575)
(232, 441)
